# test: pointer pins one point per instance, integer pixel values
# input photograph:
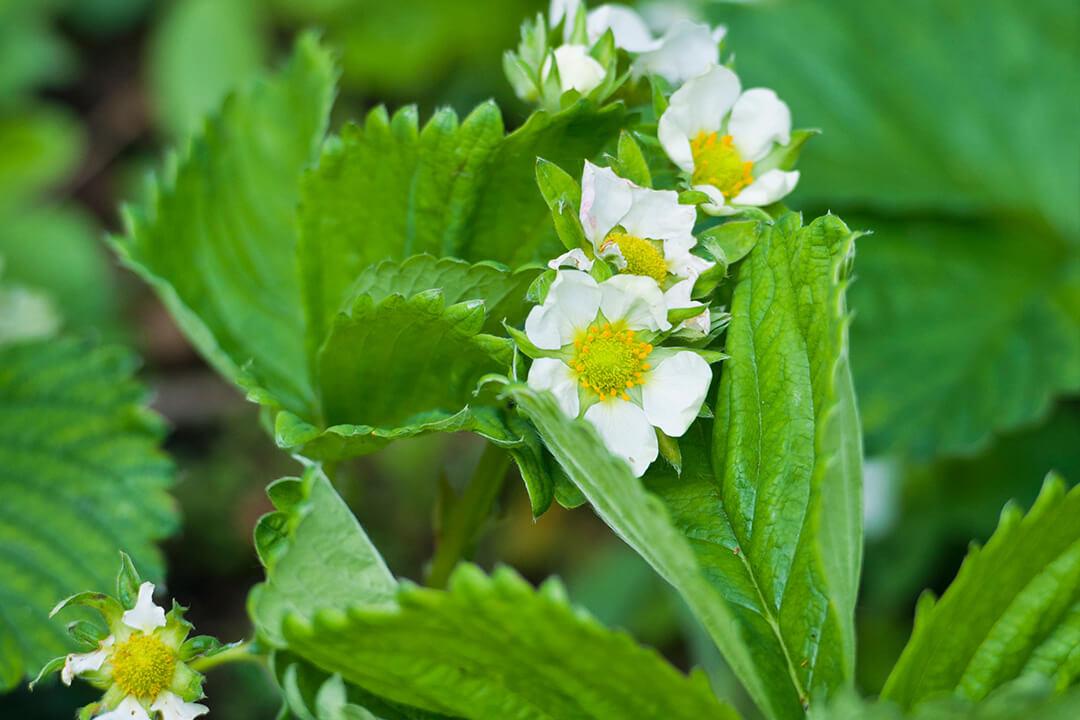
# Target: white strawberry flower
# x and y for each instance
(729, 141)
(577, 69)
(640, 231)
(603, 368)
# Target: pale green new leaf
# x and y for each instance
(1013, 610)
(493, 647)
(961, 332)
(81, 478)
(389, 189)
(218, 242)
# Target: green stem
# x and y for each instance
(244, 652)
(468, 514)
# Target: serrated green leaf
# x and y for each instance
(385, 362)
(448, 190)
(495, 647)
(316, 539)
(82, 477)
(962, 331)
(1012, 611)
(218, 242)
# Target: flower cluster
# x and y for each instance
(620, 336)
(142, 663)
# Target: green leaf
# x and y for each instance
(82, 477)
(962, 331)
(1012, 611)
(732, 241)
(450, 189)
(316, 555)
(199, 51)
(385, 362)
(631, 162)
(218, 242)
(42, 146)
(495, 647)
(776, 595)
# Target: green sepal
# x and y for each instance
(555, 183)
(677, 315)
(601, 270)
(52, 666)
(660, 91)
(693, 197)
(520, 77)
(631, 162)
(707, 281)
(88, 712)
(187, 683)
(732, 241)
(87, 633)
(525, 345)
(568, 226)
(578, 33)
(176, 627)
(785, 156)
(538, 290)
(109, 608)
(669, 449)
(200, 646)
(127, 582)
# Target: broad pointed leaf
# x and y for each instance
(82, 478)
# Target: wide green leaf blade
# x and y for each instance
(389, 189)
(82, 478)
(493, 647)
(1012, 611)
(218, 242)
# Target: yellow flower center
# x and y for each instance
(143, 666)
(609, 361)
(718, 163)
(642, 256)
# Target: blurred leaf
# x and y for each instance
(943, 104)
(82, 478)
(31, 54)
(451, 189)
(106, 17)
(201, 50)
(221, 254)
(41, 145)
(1013, 609)
(56, 249)
(494, 647)
(961, 331)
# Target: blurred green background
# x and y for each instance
(950, 132)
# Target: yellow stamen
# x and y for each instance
(726, 169)
(143, 666)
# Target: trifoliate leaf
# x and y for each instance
(218, 242)
(493, 647)
(452, 188)
(961, 332)
(1012, 611)
(82, 478)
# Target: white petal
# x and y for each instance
(635, 299)
(128, 709)
(758, 120)
(698, 106)
(683, 263)
(563, 8)
(674, 391)
(770, 187)
(719, 205)
(556, 376)
(145, 615)
(630, 31)
(605, 198)
(678, 295)
(577, 69)
(575, 258)
(571, 304)
(687, 50)
(77, 664)
(657, 215)
(625, 431)
(173, 708)
(700, 324)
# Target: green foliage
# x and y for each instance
(766, 549)
(1012, 611)
(200, 50)
(218, 242)
(451, 189)
(494, 647)
(42, 144)
(30, 53)
(962, 331)
(81, 478)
